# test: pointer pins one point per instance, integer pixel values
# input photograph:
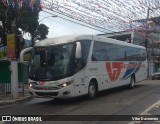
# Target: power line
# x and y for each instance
(114, 15)
(77, 21)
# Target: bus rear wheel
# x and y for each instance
(92, 90)
(132, 82)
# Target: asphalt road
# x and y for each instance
(118, 101)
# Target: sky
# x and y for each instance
(111, 14)
(59, 26)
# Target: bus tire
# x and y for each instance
(132, 82)
(92, 90)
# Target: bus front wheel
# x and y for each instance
(92, 90)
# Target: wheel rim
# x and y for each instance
(132, 82)
(92, 90)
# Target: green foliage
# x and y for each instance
(2, 54)
(42, 31)
(2, 11)
(27, 21)
(26, 14)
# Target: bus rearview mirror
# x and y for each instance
(78, 50)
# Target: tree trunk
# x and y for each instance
(32, 40)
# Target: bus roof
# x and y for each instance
(62, 39)
(111, 40)
(72, 38)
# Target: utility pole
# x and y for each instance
(146, 41)
(14, 67)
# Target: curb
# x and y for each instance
(22, 99)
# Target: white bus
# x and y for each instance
(72, 66)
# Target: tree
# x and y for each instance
(42, 32)
(3, 26)
(28, 18)
(26, 14)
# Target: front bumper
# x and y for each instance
(65, 92)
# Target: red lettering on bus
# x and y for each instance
(114, 70)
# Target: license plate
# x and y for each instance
(47, 96)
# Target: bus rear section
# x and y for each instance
(115, 63)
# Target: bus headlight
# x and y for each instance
(30, 85)
(65, 84)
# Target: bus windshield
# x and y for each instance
(51, 62)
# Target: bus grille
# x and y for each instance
(45, 88)
(47, 94)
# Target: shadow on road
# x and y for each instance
(118, 89)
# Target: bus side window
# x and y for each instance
(78, 64)
(93, 58)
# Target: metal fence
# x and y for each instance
(5, 76)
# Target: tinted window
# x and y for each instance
(142, 55)
(111, 48)
(135, 54)
(85, 44)
(99, 51)
(114, 52)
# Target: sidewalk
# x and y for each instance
(6, 98)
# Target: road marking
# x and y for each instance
(148, 109)
(145, 112)
(6, 106)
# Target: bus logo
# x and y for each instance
(113, 70)
(41, 82)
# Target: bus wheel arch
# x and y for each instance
(132, 81)
(92, 89)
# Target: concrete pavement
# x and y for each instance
(6, 98)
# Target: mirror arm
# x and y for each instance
(24, 51)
